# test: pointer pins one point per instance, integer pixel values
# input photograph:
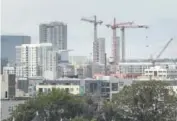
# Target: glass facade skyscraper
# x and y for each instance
(8, 44)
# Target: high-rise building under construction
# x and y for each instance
(116, 50)
(99, 51)
(95, 22)
(95, 51)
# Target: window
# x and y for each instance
(114, 86)
(102, 89)
(155, 73)
(67, 89)
(121, 84)
(45, 89)
(107, 89)
(40, 90)
(6, 94)
(105, 84)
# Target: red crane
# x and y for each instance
(115, 45)
(123, 36)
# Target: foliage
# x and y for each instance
(142, 101)
(145, 101)
(79, 119)
(82, 119)
(51, 106)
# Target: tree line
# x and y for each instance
(142, 101)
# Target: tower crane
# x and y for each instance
(114, 26)
(95, 22)
(123, 36)
(161, 52)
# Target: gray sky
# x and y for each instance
(24, 17)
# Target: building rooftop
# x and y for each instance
(135, 63)
(35, 45)
(156, 68)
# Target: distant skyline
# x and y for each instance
(24, 16)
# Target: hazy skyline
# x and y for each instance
(24, 17)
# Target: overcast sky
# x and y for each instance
(24, 17)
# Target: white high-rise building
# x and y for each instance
(54, 61)
(45, 58)
(101, 50)
(55, 33)
(31, 58)
(51, 67)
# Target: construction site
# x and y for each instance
(117, 64)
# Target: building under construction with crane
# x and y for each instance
(118, 57)
(116, 40)
(96, 53)
(135, 68)
(119, 50)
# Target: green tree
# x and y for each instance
(82, 119)
(51, 107)
(145, 101)
(79, 119)
(142, 101)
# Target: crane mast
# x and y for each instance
(114, 26)
(95, 23)
(122, 28)
(116, 43)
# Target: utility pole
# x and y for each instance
(95, 23)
